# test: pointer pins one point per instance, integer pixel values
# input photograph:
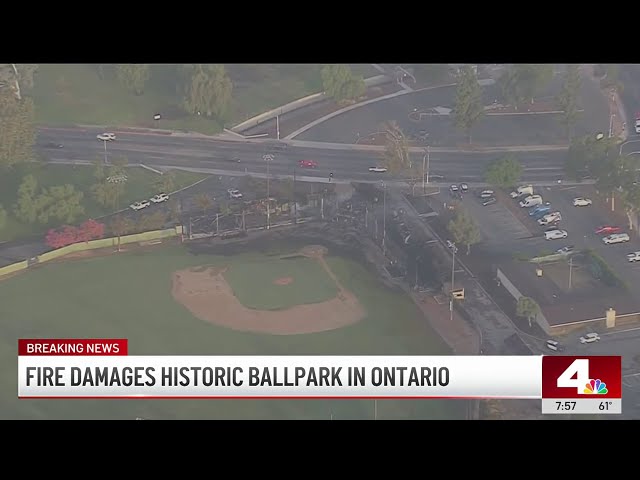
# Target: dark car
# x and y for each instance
(489, 201)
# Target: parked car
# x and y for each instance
(616, 238)
(540, 209)
(633, 257)
(486, 193)
(582, 202)
(378, 169)
(234, 194)
(159, 198)
(607, 230)
(566, 250)
(531, 201)
(489, 201)
(140, 205)
(555, 234)
(522, 190)
(550, 218)
(106, 137)
(464, 187)
(454, 188)
(307, 164)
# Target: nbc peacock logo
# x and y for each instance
(595, 387)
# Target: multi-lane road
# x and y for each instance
(81, 145)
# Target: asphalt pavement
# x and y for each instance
(81, 145)
(521, 129)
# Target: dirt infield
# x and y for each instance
(207, 295)
(283, 281)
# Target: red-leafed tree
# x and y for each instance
(91, 230)
(62, 238)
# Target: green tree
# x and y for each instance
(133, 77)
(26, 209)
(631, 199)
(17, 132)
(464, 230)
(208, 91)
(527, 308)
(396, 150)
(17, 77)
(121, 226)
(167, 182)
(504, 172)
(108, 193)
(468, 104)
(60, 202)
(431, 73)
(3, 217)
(339, 83)
(568, 98)
(588, 154)
(204, 202)
(521, 82)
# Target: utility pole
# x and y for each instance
(366, 217)
(428, 157)
(190, 229)
(105, 151)
(453, 272)
(570, 271)
(322, 207)
(217, 225)
(295, 204)
(278, 127)
(268, 158)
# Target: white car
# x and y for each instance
(234, 193)
(140, 205)
(454, 188)
(464, 187)
(555, 234)
(590, 338)
(159, 198)
(106, 137)
(486, 194)
(582, 202)
(616, 238)
(378, 169)
(633, 257)
(452, 246)
(638, 125)
(549, 218)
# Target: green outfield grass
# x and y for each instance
(76, 94)
(140, 185)
(128, 296)
(252, 282)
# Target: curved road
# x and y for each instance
(203, 153)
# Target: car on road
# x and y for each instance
(489, 201)
(633, 257)
(378, 169)
(607, 230)
(434, 177)
(452, 246)
(106, 137)
(582, 202)
(307, 164)
(159, 198)
(550, 218)
(464, 187)
(616, 238)
(140, 205)
(566, 250)
(233, 159)
(637, 126)
(555, 234)
(53, 145)
(454, 188)
(590, 338)
(234, 194)
(486, 193)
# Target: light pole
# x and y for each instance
(611, 124)
(453, 273)
(426, 158)
(384, 218)
(268, 158)
(105, 151)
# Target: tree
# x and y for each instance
(67, 235)
(504, 172)
(121, 226)
(61, 202)
(631, 199)
(16, 77)
(26, 209)
(167, 182)
(91, 230)
(107, 193)
(396, 152)
(154, 221)
(339, 83)
(208, 91)
(590, 155)
(527, 308)
(464, 230)
(204, 202)
(568, 98)
(3, 217)
(17, 132)
(133, 77)
(468, 105)
(522, 82)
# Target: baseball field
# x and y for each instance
(167, 301)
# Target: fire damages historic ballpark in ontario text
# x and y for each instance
(237, 376)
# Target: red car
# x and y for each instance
(608, 230)
(307, 164)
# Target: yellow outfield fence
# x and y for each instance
(94, 244)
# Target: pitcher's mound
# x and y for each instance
(283, 281)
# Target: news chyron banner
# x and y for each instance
(102, 368)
